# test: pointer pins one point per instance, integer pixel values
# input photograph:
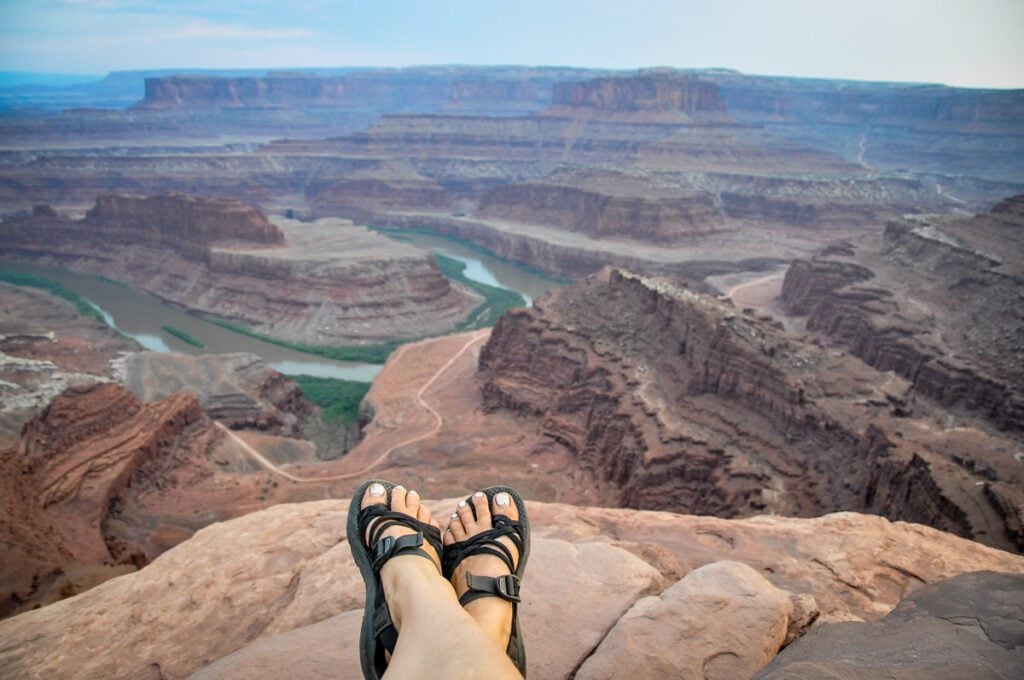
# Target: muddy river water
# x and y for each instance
(142, 316)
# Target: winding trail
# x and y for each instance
(862, 148)
(763, 279)
(262, 460)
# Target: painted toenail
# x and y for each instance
(478, 494)
(376, 489)
(462, 504)
(502, 499)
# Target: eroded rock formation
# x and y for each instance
(606, 204)
(239, 390)
(276, 593)
(691, 99)
(66, 481)
(674, 400)
(331, 283)
(934, 299)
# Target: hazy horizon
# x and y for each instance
(968, 44)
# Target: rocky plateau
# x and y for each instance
(276, 593)
(327, 283)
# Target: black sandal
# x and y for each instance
(487, 543)
(378, 634)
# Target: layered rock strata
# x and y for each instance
(46, 346)
(331, 283)
(935, 299)
(685, 98)
(239, 390)
(673, 400)
(276, 593)
(620, 205)
(67, 479)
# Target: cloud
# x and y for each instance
(213, 30)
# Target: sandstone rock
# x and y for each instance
(67, 483)
(46, 346)
(969, 627)
(181, 221)
(926, 300)
(326, 653)
(606, 204)
(332, 283)
(253, 586)
(664, 398)
(240, 390)
(693, 99)
(721, 621)
(849, 563)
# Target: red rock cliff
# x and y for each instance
(75, 460)
(698, 99)
(176, 218)
(929, 300)
(672, 400)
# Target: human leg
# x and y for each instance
(486, 548)
(437, 637)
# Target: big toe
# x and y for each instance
(375, 494)
(502, 504)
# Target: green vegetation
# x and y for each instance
(399, 235)
(84, 307)
(371, 354)
(338, 398)
(113, 282)
(496, 302)
(183, 336)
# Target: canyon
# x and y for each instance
(935, 299)
(783, 391)
(561, 169)
(328, 283)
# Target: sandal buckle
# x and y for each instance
(508, 586)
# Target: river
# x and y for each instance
(141, 316)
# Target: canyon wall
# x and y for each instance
(473, 89)
(930, 299)
(330, 283)
(178, 220)
(673, 400)
(695, 100)
(603, 214)
(66, 481)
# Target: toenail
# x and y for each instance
(399, 486)
(376, 489)
(502, 499)
(462, 504)
(478, 494)
(455, 515)
(413, 491)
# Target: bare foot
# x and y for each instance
(492, 613)
(398, 571)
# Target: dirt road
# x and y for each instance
(377, 462)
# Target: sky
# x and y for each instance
(971, 43)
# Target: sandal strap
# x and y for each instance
(486, 543)
(389, 546)
(506, 587)
(384, 548)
